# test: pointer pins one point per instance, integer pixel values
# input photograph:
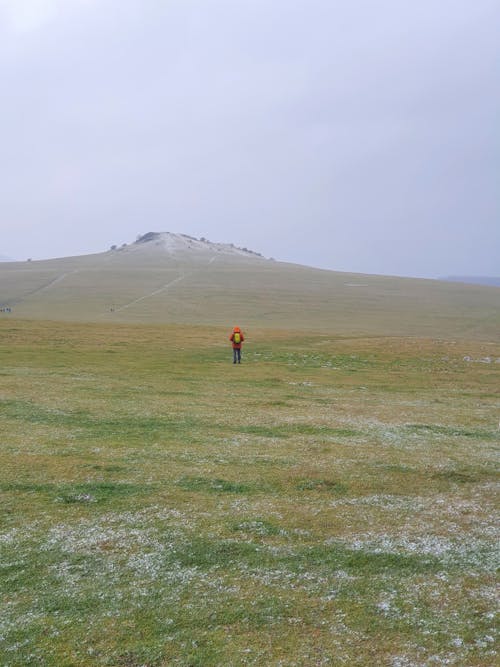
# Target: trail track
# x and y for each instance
(42, 288)
(163, 288)
(157, 291)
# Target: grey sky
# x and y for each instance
(357, 136)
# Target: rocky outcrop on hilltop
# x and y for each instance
(183, 242)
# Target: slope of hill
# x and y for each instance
(174, 278)
(475, 280)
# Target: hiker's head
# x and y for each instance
(236, 329)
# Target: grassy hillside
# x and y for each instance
(331, 501)
(144, 284)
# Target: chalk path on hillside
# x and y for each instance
(56, 280)
(160, 289)
(42, 288)
(157, 291)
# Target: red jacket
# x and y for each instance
(237, 346)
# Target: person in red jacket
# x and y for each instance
(237, 339)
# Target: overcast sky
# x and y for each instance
(354, 135)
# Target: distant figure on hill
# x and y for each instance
(237, 339)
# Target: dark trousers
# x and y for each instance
(236, 355)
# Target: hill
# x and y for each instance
(174, 278)
(329, 501)
(476, 280)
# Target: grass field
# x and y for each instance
(331, 501)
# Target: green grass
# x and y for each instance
(213, 485)
(436, 429)
(160, 506)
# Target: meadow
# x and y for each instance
(331, 501)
